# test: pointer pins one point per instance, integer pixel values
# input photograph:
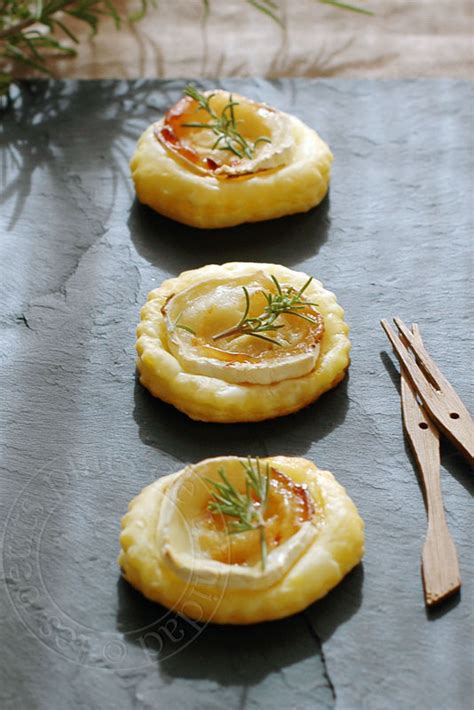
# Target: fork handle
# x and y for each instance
(439, 564)
(439, 560)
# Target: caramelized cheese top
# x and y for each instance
(197, 146)
(289, 506)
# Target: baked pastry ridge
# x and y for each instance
(186, 359)
(177, 550)
(181, 170)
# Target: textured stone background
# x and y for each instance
(80, 437)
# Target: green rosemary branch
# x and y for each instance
(285, 300)
(268, 7)
(34, 31)
(347, 6)
(272, 9)
(224, 126)
(247, 508)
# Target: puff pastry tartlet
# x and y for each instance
(218, 159)
(298, 536)
(218, 344)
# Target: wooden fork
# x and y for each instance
(440, 399)
(440, 569)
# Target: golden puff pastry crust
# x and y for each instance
(227, 596)
(284, 378)
(288, 175)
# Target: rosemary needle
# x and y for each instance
(227, 501)
(285, 300)
(224, 126)
(179, 326)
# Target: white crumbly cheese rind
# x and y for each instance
(337, 547)
(174, 189)
(211, 399)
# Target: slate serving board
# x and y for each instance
(80, 436)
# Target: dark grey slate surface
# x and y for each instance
(80, 437)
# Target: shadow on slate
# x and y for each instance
(47, 123)
(333, 610)
(137, 615)
(175, 247)
(257, 651)
(165, 428)
(456, 464)
(392, 371)
(436, 612)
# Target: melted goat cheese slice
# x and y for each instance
(197, 319)
(196, 545)
(197, 146)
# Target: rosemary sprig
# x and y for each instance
(347, 6)
(285, 300)
(247, 508)
(224, 126)
(35, 32)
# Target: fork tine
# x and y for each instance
(440, 399)
(412, 370)
(431, 369)
(426, 363)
